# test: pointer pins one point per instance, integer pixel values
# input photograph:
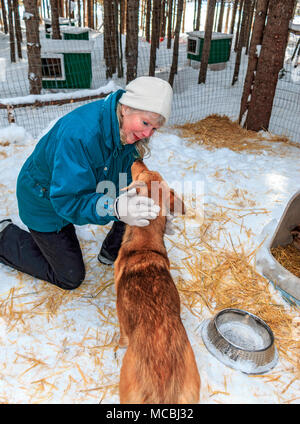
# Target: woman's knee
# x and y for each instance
(72, 280)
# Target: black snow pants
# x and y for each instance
(51, 256)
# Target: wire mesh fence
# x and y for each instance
(95, 55)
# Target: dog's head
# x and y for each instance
(151, 184)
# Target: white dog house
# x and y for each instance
(279, 234)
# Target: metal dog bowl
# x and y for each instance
(241, 341)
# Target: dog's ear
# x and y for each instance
(137, 168)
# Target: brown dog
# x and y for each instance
(159, 365)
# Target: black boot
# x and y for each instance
(112, 243)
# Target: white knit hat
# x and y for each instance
(149, 93)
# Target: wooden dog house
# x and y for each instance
(279, 234)
(219, 48)
(66, 64)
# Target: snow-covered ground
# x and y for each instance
(61, 347)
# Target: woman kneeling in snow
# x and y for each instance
(56, 187)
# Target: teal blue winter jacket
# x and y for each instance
(57, 183)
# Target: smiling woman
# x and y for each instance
(143, 108)
(58, 186)
(137, 126)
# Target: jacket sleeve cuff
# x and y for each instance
(105, 206)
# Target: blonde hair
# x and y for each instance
(142, 146)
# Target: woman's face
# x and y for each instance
(138, 125)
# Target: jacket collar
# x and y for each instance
(110, 121)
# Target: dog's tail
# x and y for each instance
(159, 366)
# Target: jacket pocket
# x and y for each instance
(40, 189)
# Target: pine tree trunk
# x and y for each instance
(248, 32)
(79, 13)
(183, 15)
(92, 14)
(117, 39)
(11, 31)
(241, 42)
(197, 27)
(33, 47)
(158, 23)
(122, 16)
(148, 20)
(61, 9)
(256, 40)
(176, 42)
(105, 32)
(163, 19)
(113, 36)
(238, 29)
(220, 23)
(4, 16)
(207, 40)
(270, 62)
(55, 20)
(109, 38)
(18, 27)
(154, 36)
(169, 42)
(89, 13)
(235, 5)
(132, 39)
(120, 48)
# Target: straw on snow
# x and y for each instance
(226, 278)
(20, 306)
(289, 257)
(217, 131)
(218, 278)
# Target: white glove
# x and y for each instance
(169, 229)
(134, 209)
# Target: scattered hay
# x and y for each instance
(214, 279)
(219, 132)
(226, 278)
(289, 257)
